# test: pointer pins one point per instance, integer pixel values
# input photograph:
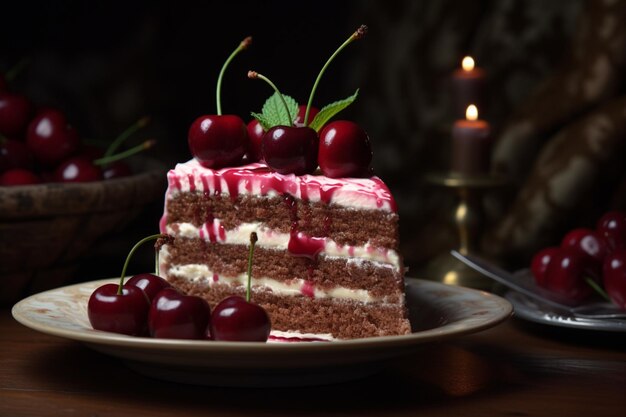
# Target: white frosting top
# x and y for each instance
(258, 179)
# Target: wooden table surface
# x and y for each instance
(514, 369)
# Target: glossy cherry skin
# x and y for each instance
(18, 176)
(177, 316)
(612, 227)
(255, 135)
(345, 150)
(614, 277)
(218, 141)
(540, 262)
(14, 154)
(235, 319)
(566, 274)
(587, 242)
(300, 116)
(291, 150)
(15, 113)
(150, 284)
(50, 138)
(117, 169)
(77, 169)
(125, 313)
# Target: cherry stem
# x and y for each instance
(141, 123)
(358, 34)
(253, 240)
(130, 254)
(218, 91)
(254, 75)
(125, 154)
(597, 289)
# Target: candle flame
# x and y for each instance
(472, 112)
(468, 63)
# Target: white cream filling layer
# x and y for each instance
(276, 336)
(199, 273)
(274, 240)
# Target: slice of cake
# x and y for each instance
(326, 264)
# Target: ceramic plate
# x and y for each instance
(437, 311)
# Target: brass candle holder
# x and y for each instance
(469, 221)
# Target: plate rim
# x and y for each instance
(94, 337)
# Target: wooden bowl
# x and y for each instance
(45, 229)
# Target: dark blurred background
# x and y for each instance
(108, 63)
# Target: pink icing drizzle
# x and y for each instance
(163, 223)
(305, 187)
(205, 183)
(192, 183)
(308, 289)
(303, 245)
(216, 231)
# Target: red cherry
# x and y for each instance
(77, 169)
(300, 116)
(218, 141)
(612, 227)
(255, 135)
(15, 112)
(614, 277)
(586, 242)
(177, 316)
(14, 154)
(125, 313)
(18, 176)
(117, 169)
(150, 284)
(235, 319)
(50, 138)
(566, 273)
(291, 150)
(111, 170)
(345, 150)
(256, 132)
(540, 263)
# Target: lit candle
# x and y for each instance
(469, 86)
(471, 144)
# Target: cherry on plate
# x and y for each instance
(235, 319)
(177, 316)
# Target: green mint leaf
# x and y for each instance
(327, 112)
(275, 113)
(262, 120)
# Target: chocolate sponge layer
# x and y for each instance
(343, 319)
(344, 226)
(325, 273)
